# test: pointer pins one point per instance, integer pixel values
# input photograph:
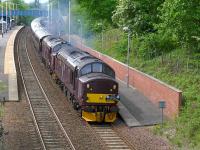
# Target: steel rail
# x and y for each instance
(47, 100)
(25, 89)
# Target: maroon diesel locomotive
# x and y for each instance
(88, 82)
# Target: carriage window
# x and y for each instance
(97, 67)
(107, 70)
(87, 69)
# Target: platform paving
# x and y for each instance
(3, 77)
(8, 78)
(136, 109)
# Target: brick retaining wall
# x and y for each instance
(152, 88)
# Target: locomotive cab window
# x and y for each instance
(97, 67)
(86, 69)
(108, 71)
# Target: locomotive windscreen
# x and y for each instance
(97, 68)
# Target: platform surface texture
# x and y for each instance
(135, 109)
(8, 77)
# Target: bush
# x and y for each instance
(154, 45)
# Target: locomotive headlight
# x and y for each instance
(107, 97)
(118, 97)
(88, 86)
(114, 87)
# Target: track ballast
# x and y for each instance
(49, 128)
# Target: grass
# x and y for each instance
(178, 69)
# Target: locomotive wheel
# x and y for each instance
(81, 113)
(71, 98)
(75, 105)
(65, 91)
(68, 96)
(57, 81)
(61, 87)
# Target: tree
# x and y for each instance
(139, 15)
(181, 18)
(99, 10)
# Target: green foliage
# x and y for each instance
(153, 45)
(139, 15)
(182, 18)
(121, 47)
(99, 10)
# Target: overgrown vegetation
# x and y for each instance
(165, 43)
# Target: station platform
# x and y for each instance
(135, 109)
(8, 77)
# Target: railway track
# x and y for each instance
(110, 138)
(50, 130)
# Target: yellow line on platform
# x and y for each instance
(9, 66)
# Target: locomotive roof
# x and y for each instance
(41, 34)
(39, 26)
(75, 57)
(53, 41)
(35, 24)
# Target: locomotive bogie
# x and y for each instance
(99, 113)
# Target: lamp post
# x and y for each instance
(101, 25)
(17, 14)
(6, 17)
(51, 13)
(79, 21)
(10, 7)
(58, 6)
(13, 8)
(69, 20)
(126, 29)
(59, 18)
(48, 15)
(2, 19)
